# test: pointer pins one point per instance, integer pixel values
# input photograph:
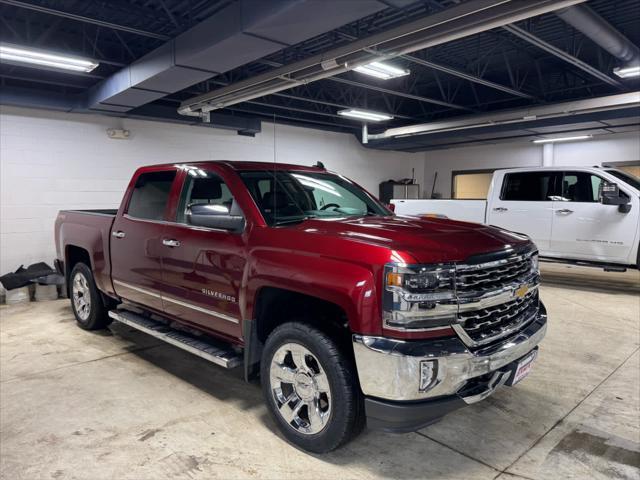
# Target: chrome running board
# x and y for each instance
(215, 352)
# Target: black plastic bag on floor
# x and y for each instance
(23, 276)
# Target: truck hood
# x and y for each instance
(418, 239)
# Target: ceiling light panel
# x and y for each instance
(382, 70)
(627, 72)
(365, 115)
(562, 139)
(41, 59)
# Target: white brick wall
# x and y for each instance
(51, 161)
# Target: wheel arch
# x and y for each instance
(275, 306)
(74, 254)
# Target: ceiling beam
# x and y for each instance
(331, 104)
(561, 54)
(275, 116)
(305, 99)
(42, 80)
(397, 93)
(80, 18)
(295, 109)
(171, 16)
(10, 28)
(304, 110)
(467, 76)
(271, 116)
(454, 72)
(379, 89)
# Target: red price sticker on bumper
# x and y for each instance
(524, 367)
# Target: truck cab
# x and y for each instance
(567, 213)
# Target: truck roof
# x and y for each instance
(246, 165)
(556, 167)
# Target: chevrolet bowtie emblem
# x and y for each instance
(521, 291)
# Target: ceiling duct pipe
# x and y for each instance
(531, 114)
(241, 32)
(460, 21)
(585, 20)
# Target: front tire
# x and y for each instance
(310, 388)
(88, 306)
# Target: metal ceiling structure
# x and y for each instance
(156, 54)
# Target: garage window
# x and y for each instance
(471, 185)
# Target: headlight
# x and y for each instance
(419, 297)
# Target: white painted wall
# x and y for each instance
(51, 161)
(598, 150)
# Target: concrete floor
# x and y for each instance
(79, 405)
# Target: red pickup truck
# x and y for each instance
(346, 312)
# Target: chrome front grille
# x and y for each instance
(492, 276)
(496, 298)
(492, 323)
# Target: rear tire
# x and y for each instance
(311, 388)
(86, 301)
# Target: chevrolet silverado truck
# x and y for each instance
(347, 313)
(582, 215)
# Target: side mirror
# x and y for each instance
(626, 208)
(610, 195)
(216, 216)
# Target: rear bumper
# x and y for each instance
(398, 399)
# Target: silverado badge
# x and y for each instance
(521, 291)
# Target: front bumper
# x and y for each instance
(389, 372)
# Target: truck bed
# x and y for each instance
(89, 230)
(465, 210)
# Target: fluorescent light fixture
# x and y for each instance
(39, 58)
(562, 139)
(627, 72)
(364, 115)
(382, 70)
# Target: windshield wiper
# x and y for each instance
(287, 221)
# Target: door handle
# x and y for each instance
(500, 209)
(118, 234)
(170, 243)
(564, 210)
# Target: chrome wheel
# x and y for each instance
(81, 296)
(300, 389)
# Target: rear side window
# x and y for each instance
(528, 186)
(150, 195)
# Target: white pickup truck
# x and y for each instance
(575, 214)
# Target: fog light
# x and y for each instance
(428, 374)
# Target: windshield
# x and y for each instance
(291, 196)
(626, 178)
